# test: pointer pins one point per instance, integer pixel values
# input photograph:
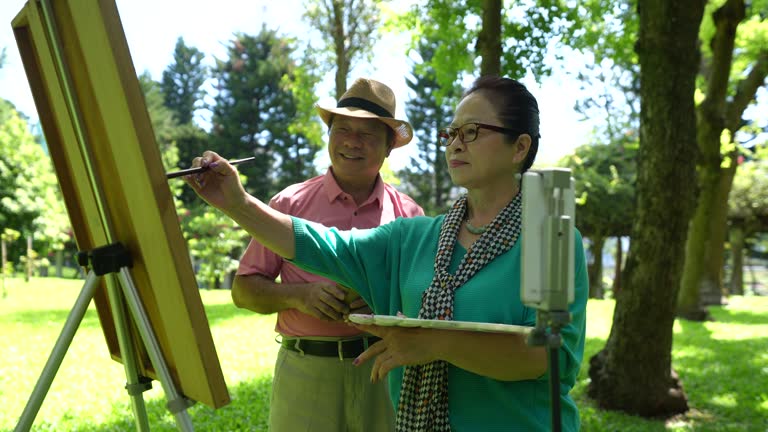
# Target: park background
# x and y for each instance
(200, 68)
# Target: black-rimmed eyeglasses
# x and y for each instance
(468, 132)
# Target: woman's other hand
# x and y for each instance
(398, 346)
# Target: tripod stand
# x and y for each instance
(548, 266)
(113, 262)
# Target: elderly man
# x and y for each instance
(316, 387)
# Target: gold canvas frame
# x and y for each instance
(110, 172)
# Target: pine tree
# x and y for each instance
(183, 80)
(255, 108)
(426, 179)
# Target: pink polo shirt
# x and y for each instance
(320, 199)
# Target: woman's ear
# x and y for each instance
(522, 146)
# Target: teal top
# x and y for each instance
(393, 264)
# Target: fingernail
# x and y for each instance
(356, 361)
(213, 165)
(204, 161)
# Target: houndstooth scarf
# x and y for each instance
(424, 394)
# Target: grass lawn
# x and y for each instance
(723, 365)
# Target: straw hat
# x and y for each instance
(367, 98)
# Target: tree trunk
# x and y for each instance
(60, 263)
(701, 283)
(595, 268)
(711, 284)
(489, 39)
(28, 273)
(340, 44)
(3, 255)
(3, 258)
(737, 261)
(633, 373)
(616, 288)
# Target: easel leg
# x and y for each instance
(74, 319)
(128, 355)
(176, 403)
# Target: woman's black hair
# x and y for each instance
(516, 107)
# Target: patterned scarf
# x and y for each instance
(424, 394)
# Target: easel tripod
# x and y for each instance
(113, 262)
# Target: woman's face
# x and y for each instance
(489, 159)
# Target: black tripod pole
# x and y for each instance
(554, 379)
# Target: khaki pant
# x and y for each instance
(326, 394)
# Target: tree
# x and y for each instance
(747, 213)
(254, 109)
(182, 82)
(512, 39)
(633, 372)
(735, 66)
(296, 161)
(605, 176)
(30, 199)
(352, 26)
(181, 87)
(214, 240)
(164, 123)
(426, 179)
(488, 44)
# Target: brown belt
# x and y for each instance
(341, 348)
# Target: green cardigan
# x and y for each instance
(392, 265)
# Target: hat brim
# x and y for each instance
(402, 129)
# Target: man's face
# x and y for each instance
(357, 148)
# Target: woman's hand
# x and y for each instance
(220, 185)
(398, 347)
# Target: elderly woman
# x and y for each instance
(464, 265)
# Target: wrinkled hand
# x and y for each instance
(323, 300)
(398, 346)
(220, 185)
(357, 304)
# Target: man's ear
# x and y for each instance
(522, 146)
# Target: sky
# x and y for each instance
(152, 28)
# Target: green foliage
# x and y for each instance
(182, 82)
(724, 394)
(30, 199)
(528, 31)
(750, 43)
(611, 80)
(748, 200)
(605, 177)
(191, 142)
(349, 29)
(296, 160)
(214, 241)
(182, 92)
(254, 111)
(426, 179)
(164, 123)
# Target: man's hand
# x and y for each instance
(323, 300)
(356, 304)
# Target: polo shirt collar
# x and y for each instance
(333, 191)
